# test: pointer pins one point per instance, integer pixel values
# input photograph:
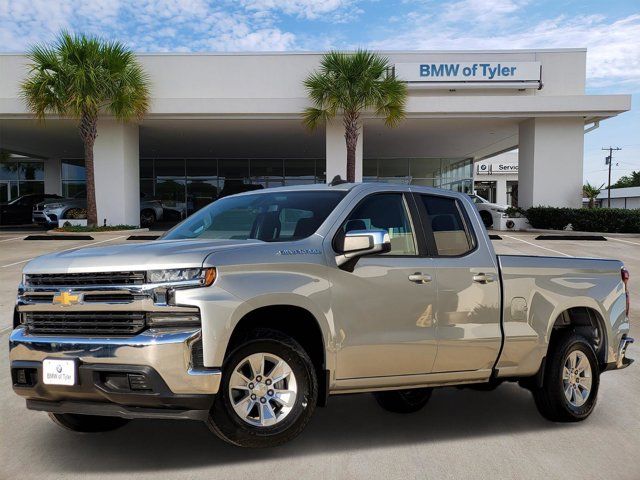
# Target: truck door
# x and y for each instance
(468, 286)
(384, 308)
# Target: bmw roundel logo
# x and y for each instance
(59, 369)
(484, 168)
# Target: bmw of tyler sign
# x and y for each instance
(472, 72)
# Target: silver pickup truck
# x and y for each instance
(254, 310)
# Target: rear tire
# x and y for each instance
(571, 380)
(404, 401)
(147, 218)
(487, 219)
(87, 423)
(259, 404)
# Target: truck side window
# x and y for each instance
(448, 226)
(388, 212)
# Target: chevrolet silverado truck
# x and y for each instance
(253, 311)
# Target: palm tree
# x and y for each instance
(348, 84)
(82, 77)
(591, 192)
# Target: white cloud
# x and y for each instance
(481, 10)
(310, 9)
(145, 25)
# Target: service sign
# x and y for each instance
(468, 72)
(496, 168)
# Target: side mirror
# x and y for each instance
(358, 243)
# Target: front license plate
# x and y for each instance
(58, 372)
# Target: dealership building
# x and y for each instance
(220, 121)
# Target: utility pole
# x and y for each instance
(608, 161)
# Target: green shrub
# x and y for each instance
(606, 220)
(67, 227)
(549, 218)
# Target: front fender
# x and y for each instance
(239, 291)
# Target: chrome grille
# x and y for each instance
(85, 279)
(84, 323)
(100, 297)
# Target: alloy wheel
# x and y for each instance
(576, 378)
(262, 389)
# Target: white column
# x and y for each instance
(52, 176)
(117, 173)
(550, 158)
(501, 189)
(336, 151)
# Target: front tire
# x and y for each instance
(404, 401)
(87, 423)
(268, 392)
(571, 380)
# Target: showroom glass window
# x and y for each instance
(74, 177)
(187, 185)
(20, 176)
(450, 173)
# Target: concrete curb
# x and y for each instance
(98, 234)
(577, 233)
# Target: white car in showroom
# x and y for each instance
(490, 213)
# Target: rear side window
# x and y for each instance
(450, 232)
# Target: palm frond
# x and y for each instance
(355, 82)
(81, 75)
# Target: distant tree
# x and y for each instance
(348, 84)
(591, 192)
(82, 77)
(631, 180)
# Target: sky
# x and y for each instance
(610, 31)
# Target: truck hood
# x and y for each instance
(154, 255)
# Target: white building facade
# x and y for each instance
(496, 178)
(220, 122)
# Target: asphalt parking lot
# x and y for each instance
(460, 434)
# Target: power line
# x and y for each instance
(608, 161)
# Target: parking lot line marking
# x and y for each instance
(539, 246)
(620, 240)
(5, 330)
(65, 250)
(9, 239)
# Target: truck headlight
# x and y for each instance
(204, 276)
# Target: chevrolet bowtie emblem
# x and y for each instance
(66, 298)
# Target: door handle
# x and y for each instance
(419, 278)
(483, 278)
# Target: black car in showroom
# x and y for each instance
(18, 211)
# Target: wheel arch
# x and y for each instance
(588, 322)
(293, 317)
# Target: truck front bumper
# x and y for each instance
(149, 375)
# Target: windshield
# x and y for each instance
(477, 199)
(268, 216)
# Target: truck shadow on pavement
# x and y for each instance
(349, 422)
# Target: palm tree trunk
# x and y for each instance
(88, 133)
(351, 138)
